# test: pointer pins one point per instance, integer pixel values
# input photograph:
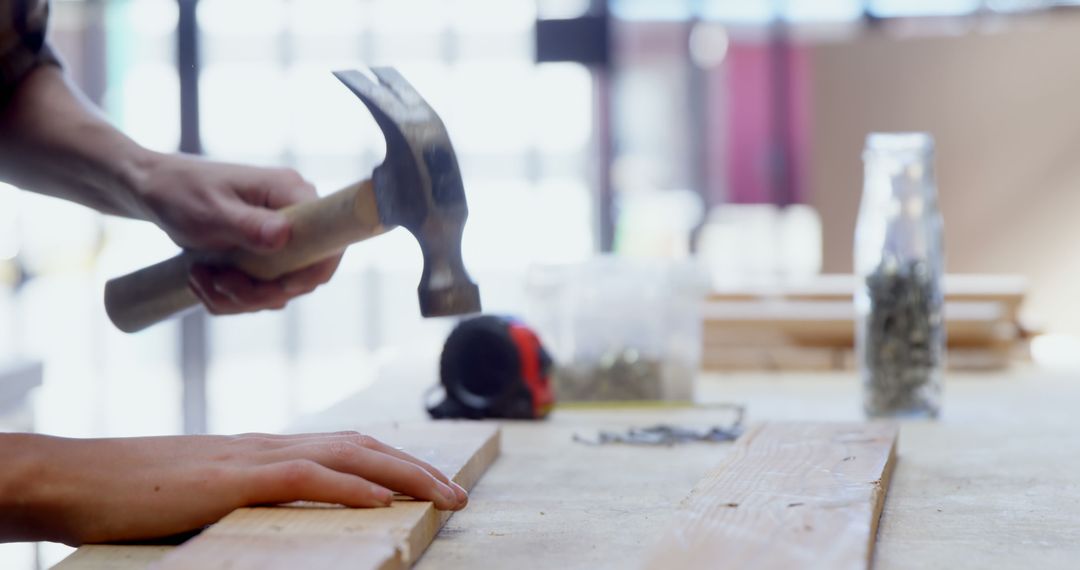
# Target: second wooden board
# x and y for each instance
(789, 496)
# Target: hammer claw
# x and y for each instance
(390, 98)
(379, 101)
(393, 81)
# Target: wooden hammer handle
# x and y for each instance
(320, 228)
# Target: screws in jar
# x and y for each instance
(617, 376)
(903, 340)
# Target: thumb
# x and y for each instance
(257, 229)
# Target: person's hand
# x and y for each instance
(213, 206)
(105, 490)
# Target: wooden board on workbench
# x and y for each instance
(789, 496)
(1008, 290)
(327, 536)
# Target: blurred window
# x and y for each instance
(740, 11)
(756, 12)
(898, 8)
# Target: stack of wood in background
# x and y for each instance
(811, 326)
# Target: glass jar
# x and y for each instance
(899, 263)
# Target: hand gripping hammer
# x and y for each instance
(418, 186)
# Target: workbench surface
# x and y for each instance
(995, 483)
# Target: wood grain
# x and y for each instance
(110, 557)
(832, 324)
(315, 535)
(1007, 289)
(789, 496)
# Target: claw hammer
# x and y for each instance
(418, 186)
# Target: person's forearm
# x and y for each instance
(53, 141)
(20, 516)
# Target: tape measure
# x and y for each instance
(494, 367)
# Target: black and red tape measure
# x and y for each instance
(494, 367)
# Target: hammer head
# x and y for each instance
(418, 186)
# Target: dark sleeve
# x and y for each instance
(22, 42)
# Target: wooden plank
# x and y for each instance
(772, 358)
(789, 496)
(832, 324)
(1009, 290)
(787, 358)
(285, 549)
(113, 557)
(321, 536)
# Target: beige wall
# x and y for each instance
(1005, 109)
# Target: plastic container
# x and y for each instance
(900, 325)
(620, 329)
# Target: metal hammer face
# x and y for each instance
(418, 186)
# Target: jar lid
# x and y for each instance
(900, 142)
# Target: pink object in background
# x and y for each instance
(747, 122)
